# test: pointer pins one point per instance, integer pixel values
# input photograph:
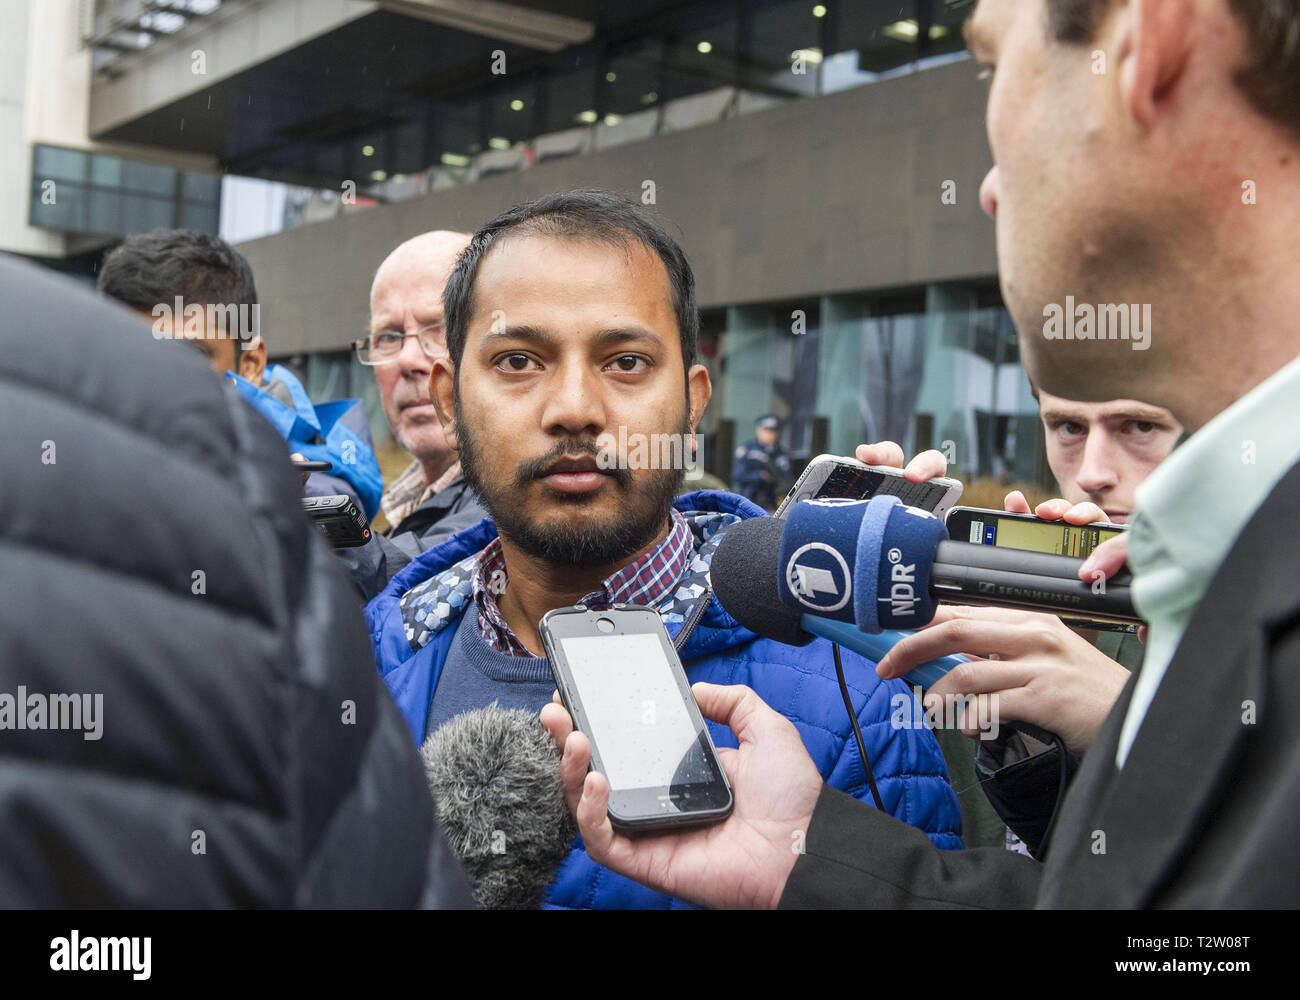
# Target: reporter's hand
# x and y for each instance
(1105, 560)
(1038, 669)
(926, 465)
(1058, 509)
(1108, 558)
(742, 862)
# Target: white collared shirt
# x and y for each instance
(1190, 512)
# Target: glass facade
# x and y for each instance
(77, 191)
(930, 367)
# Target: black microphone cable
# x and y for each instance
(857, 732)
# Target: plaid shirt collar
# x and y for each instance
(649, 581)
(409, 490)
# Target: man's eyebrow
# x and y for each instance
(1056, 414)
(605, 338)
(528, 334)
(628, 334)
(396, 324)
(1149, 415)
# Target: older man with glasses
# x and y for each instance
(430, 500)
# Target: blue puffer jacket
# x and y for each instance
(413, 621)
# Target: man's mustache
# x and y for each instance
(536, 468)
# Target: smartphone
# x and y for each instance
(619, 676)
(835, 477)
(307, 466)
(339, 519)
(1024, 531)
(1033, 534)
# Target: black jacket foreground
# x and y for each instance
(153, 552)
(1205, 811)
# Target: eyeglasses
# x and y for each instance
(384, 346)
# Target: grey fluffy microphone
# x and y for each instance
(495, 778)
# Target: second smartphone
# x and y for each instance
(1024, 531)
(840, 478)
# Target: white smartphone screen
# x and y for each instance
(634, 708)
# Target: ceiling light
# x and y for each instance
(903, 31)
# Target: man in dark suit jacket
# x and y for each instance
(1131, 142)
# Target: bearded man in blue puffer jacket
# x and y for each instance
(572, 330)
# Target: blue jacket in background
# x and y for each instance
(336, 432)
(414, 620)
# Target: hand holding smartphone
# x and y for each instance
(840, 478)
(622, 683)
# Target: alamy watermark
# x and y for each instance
(969, 712)
(651, 451)
(207, 321)
(75, 953)
(33, 710)
(1085, 321)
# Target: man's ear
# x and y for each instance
(442, 391)
(1154, 43)
(251, 361)
(699, 390)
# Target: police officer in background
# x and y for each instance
(762, 467)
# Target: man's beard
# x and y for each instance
(578, 540)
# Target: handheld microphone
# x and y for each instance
(495, 777)
(744, 579)
(881, 565)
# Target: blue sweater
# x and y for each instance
(414, 623)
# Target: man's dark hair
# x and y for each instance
(1270, 74)
(154, 268)
(586, 214)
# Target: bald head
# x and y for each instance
(412, 276)
(406, 296)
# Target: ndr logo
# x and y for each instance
(902, 585)
(819, 578)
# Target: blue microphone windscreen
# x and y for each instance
(895, 552)
(819, 551)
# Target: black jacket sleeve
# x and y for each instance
(856, 857)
